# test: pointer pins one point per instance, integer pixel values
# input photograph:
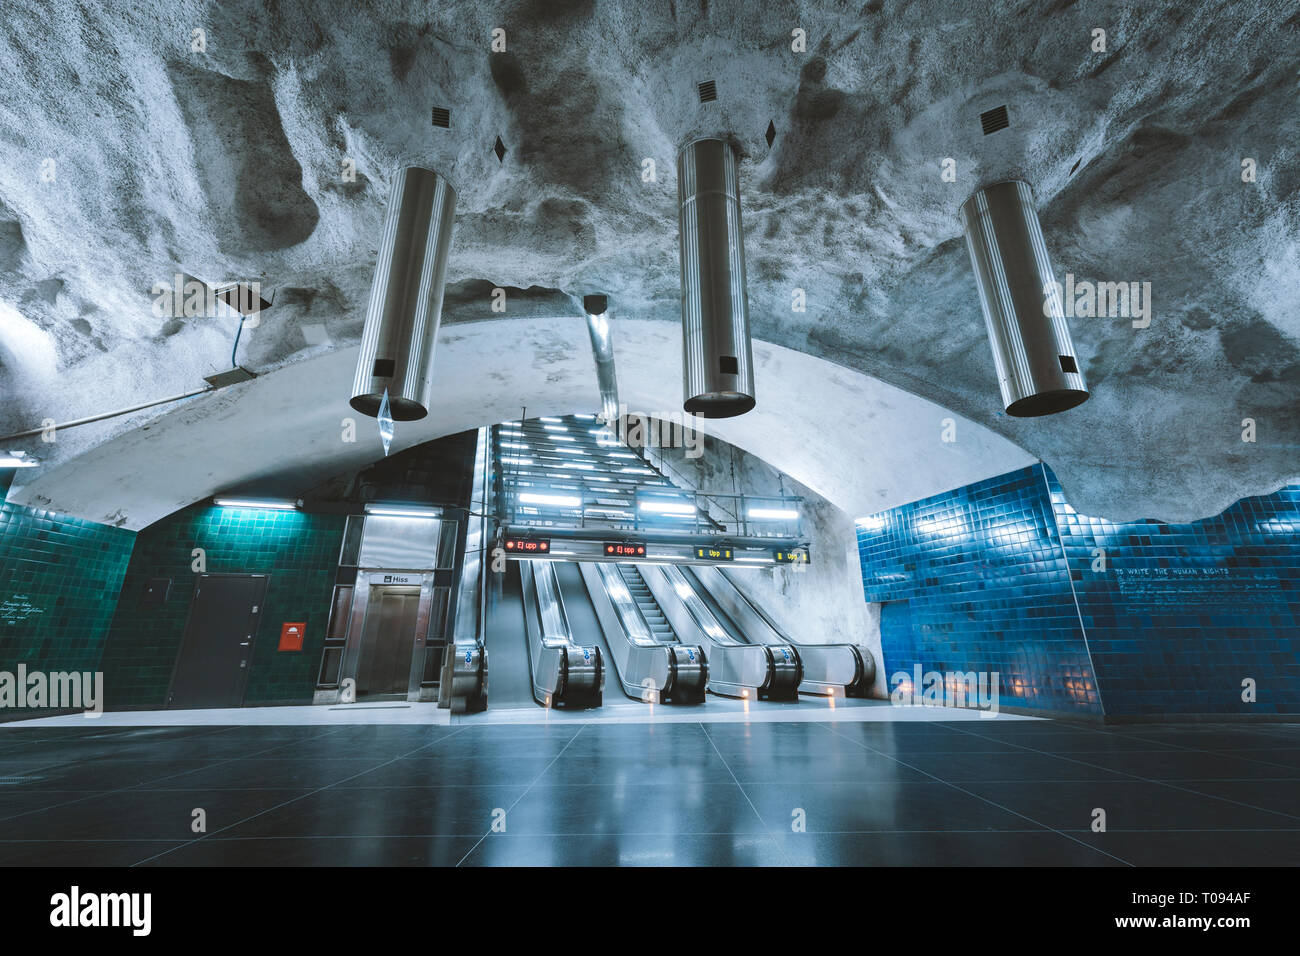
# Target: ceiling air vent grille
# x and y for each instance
(994, 120)
(708, 91)
(441, 117)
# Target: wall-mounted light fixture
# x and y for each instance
(402, 511)
(258, 504)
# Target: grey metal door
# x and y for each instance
(217, 649)
(388, 642)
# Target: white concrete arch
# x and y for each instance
(862, 444)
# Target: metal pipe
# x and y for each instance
(405, 308)
(602, 350)
(717, 357)
(1037, 367)
(33, 432)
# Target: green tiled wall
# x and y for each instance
(300, 553)
(59, 580)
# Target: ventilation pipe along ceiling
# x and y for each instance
(1038, 370)
(602, 350)
(406, 298)
(717, 359)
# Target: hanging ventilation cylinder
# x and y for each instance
(717, 358)
(602, 350)
(1038, 370)
(406, 297)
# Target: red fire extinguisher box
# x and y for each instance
(291, 636)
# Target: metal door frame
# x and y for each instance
(255, 618)
(372, 578)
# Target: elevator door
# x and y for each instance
(217, 649)
(388, 642)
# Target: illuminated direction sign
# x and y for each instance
(625, 549)
(793, 556)
(528, 545)
(713, 554)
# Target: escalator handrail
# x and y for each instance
(698, 610)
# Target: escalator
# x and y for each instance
(584, 623)
(648, 661)
(509, 679)
(737, 668)
(564, 672)
(653, 616)
(827, 669)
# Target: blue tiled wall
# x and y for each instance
(984, 578)
(1180, 614)
(59, 580)
(1172, 623)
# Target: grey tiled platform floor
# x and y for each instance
(874, 793)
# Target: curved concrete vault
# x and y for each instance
(861, 443)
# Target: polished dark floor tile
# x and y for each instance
(438, 770)
(1129, 805)
(79, 852)
(660, 769)
(102, 773)
(633, 807)
(320, 851)
(1174, 765)
(925, 805)
(286, 772)
(1016, 792)
(129, 815)
(1017, 765)
(414, 811)
(1281, 796)
(728, 849)
(846, 768)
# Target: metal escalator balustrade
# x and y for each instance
(651, 665)
(736, 668)
(564, 672)
(837, 669)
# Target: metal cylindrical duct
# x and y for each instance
(406, 297)
(602, 350)
(717, 358)
(1038, 370)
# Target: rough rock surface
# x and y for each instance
(227, 164)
